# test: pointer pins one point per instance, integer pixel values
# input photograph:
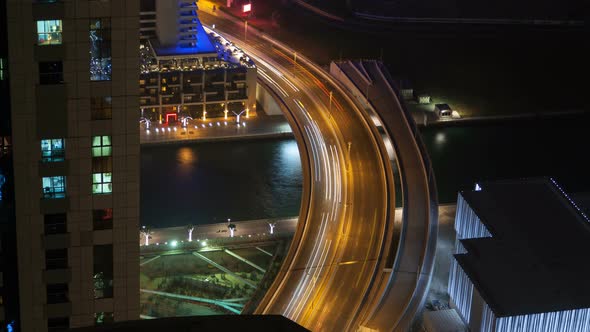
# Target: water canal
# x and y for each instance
(210, 182)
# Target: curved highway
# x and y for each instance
(332, 277)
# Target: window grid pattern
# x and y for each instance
(52, 150)
(102, 183)
(49, 32)
(54, 187)
(101, 146)
(101, 108)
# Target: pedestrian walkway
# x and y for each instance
(219, 129)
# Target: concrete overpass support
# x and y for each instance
(266, 100)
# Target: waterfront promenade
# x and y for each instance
(250, 229)
(217, 129)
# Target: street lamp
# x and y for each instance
(239, 114)
(185, 121)
(245, 29)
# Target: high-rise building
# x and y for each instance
(521, 258)
(69, 163)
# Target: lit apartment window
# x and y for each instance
(102, 219)
(100, 49)
(102, 183)
(103, 271)
(54, 186)
(101, 108)
(57, 293)
(101, 146)
(49, 32)
(52, 150)
(55, 223)
(103, 318)
(58, 324)
(51, 72)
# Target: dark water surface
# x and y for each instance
(557, 147)
(210, 182)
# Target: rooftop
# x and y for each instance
(536, 259)
(204, 46)
(201, 323)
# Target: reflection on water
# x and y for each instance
(211, 182)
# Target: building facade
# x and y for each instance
(519, 262)
(188, 72)
(9, 305)
(73, 136)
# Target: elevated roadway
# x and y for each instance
(346, 236)
(400, 289)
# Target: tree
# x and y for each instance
(232, 229)
(272, 227)
(190, 228)
(145, 232)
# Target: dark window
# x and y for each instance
(100, 49)
(103, 271)
(51, 72)
(103, 219)
(58, 324)
(56, 259)
(56, 223)
(57, 293)
(101, 108)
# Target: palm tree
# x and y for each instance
(232, 229)
(145, 231)
(190, 228)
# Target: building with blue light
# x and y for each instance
(520, 260)
(188, 70)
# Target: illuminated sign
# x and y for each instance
(247, 8)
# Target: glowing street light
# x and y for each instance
(173, 243)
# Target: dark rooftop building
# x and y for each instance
(275, 323)
(521, 257)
